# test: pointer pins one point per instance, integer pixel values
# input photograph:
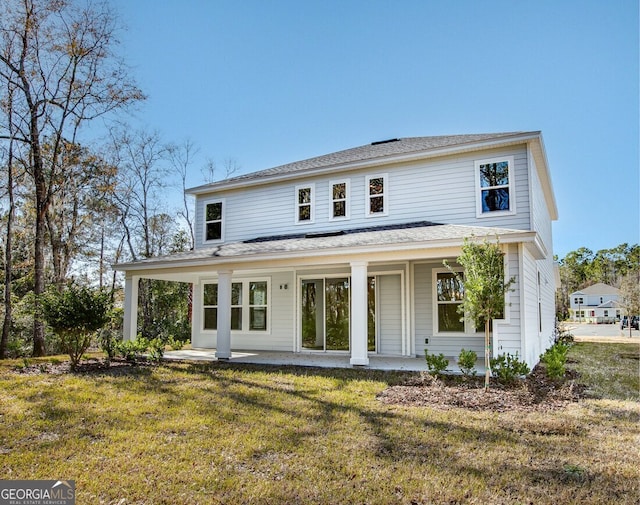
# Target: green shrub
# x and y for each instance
(555, 359)
(108, 340)
(74, 315)
(156, 350)
(132, 350)
(436, 364)
(174, 343)
(507, 368)
(467, 363)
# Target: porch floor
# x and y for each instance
(324, 360)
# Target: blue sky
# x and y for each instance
(268, 82)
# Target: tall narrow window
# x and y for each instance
(258, 305)
(450, 294)
(376, 191)
(236, 306)
(304, 204)
(210, 303)
(213, 221)
(340, 200)
(495, 185)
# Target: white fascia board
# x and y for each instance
(372, 253)
(368, 163)
(542, 165)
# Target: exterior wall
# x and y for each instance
(537, 292)
(281, 310)
(395, 317)
(417, 191)
(389, 314)
(425, 330)
(590, 300)
(540, 217)
(507, 332)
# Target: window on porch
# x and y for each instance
(249, 307)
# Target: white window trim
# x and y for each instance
(385, 195)
(297, 205)
(469, 329)
(204, 220)
(347, 200)
(511, 186)
(245, 306)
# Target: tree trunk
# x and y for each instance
(8, 254)
(487, 354)
(39, 242)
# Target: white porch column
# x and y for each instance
(130, 320)
(359, 313)
(223, 345)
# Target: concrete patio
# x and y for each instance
(324, 360)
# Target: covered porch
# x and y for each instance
(313, 300)
(320, 360)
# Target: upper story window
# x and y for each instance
(377, 192)
(340, 199)
(213, 216)
(495, 186)
(304, 203)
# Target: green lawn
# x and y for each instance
(224, 433)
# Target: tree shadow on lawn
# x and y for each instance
(457, 444)
(450, 442)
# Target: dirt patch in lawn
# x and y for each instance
(535, 393)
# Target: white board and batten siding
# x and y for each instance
(417, 191)
(281, 325)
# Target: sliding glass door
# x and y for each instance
(325, 314)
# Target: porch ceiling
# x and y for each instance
(393, 243)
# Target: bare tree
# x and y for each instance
(230, 167)
(142, 174)
(181, 159)
(60, 59)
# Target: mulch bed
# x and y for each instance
(535, 393)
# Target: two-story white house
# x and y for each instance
(598, 303)
(343, 253)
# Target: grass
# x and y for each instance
(610, 370)
(220, 433)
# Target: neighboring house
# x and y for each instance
(599, 303)
(344, 252)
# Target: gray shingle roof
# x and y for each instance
(599, 289)
(373, 151)
(389, 238)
